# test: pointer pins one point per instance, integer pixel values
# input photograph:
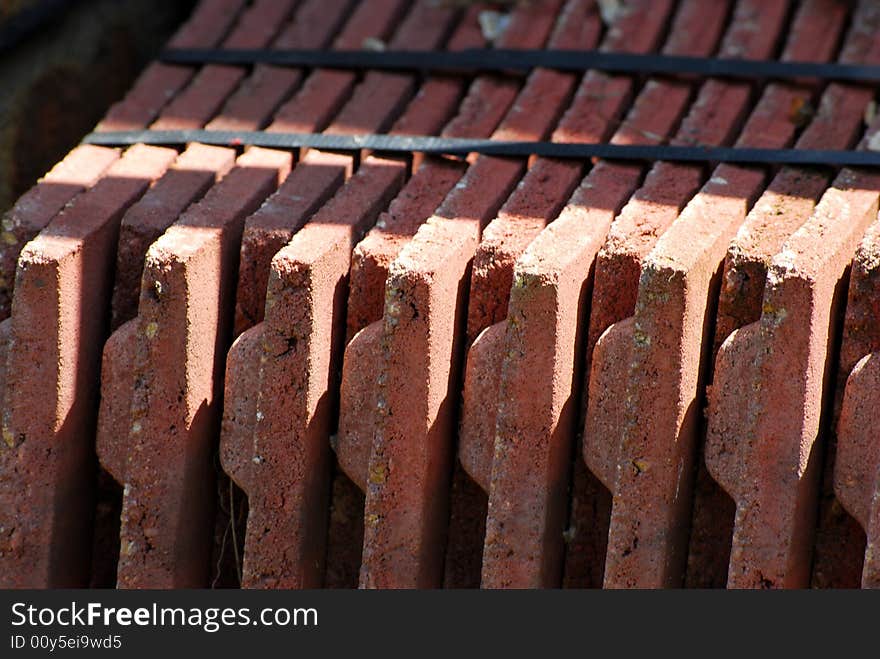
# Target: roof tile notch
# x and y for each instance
(787, 203)
(373, 256)
(403, 535)
(319, 250)
(281, 444)
(783, 358)
(661, 382)
(857, 470)
(600, 200)
(169, 360)
(781, 365)
(54, 337)
(426, 114)
(518, 552)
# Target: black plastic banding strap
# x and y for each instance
(487, 60)
(459, 147)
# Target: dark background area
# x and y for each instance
(62, 64)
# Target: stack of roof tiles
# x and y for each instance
(226, 366)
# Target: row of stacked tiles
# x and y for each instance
(292, 370)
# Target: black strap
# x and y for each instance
(22, 23)
(460, 147)
(483, 60)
